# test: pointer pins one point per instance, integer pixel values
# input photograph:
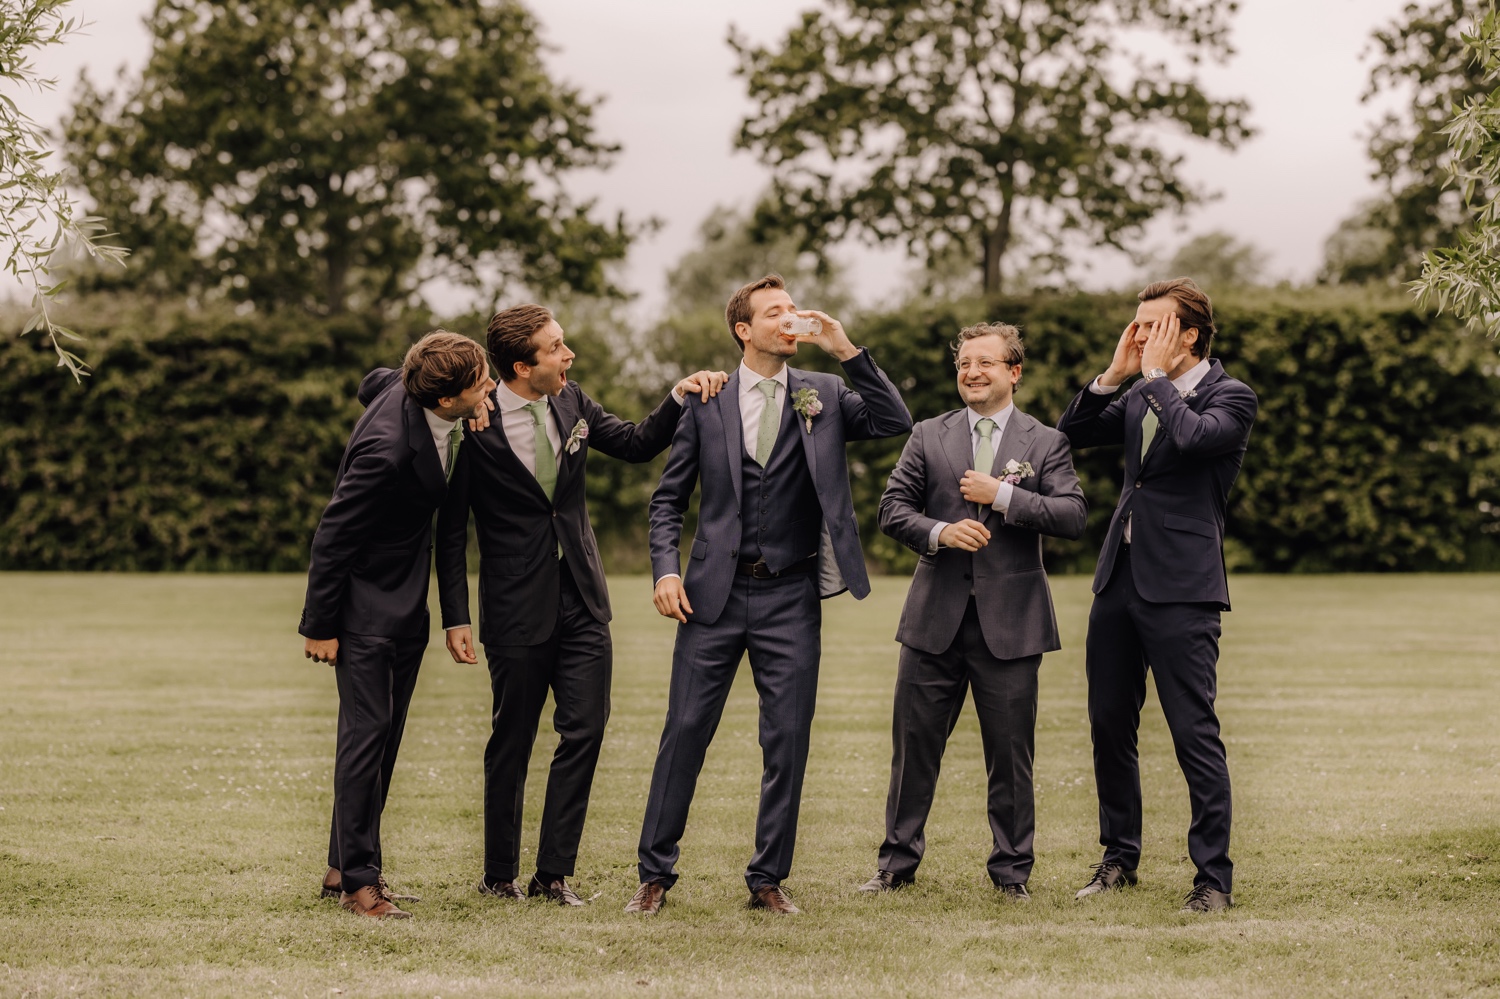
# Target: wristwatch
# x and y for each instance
(1155, 373)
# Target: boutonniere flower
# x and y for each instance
(806, 405)
(1190, 394)
(1015, 471)
(577, 437)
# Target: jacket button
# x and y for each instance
(1138, 484)
(967, 577)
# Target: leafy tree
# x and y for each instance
(1424, 55)
(339, 154)
(1217, 260)
(39, 225)
(979, 122)
(1466, 277)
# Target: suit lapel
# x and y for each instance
(794, 384)
(1019, 431)
(498, 444)
(728, 404)
(426, 463)
(565, 413)
(958, 443)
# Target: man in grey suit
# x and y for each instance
(776, 532)
(973, 494)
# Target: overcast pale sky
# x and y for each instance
(673, 103)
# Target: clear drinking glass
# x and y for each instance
(795, 327)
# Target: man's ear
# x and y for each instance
(1190, 340)
(742, 330)
(520, 369)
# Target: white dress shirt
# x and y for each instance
(1183, 383)
(753, 402)
(1003, 490)
(520, 427)
(440, 429)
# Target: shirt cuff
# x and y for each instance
(1098, 389)
(932, 537)
(678, 397)
(455, 627)
(1003, 496)
(669, 575)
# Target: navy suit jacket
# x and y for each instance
(709, 446)
(1006, 576)
(520, 529)
(1177, 495)
(371, 553)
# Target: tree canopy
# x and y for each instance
(339, 154)
(979, 123)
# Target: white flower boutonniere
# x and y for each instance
(807, 405)
(577, 437)
(1015, 471)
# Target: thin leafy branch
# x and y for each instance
(40, 226)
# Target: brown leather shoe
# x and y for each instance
(773, 898)
(333, 887)
(648, 899)
(396, 896)
(556, 891)
(372, 901)
(501, 889)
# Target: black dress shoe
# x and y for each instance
(1205, 899)
(1107, 877)
(500, 889)
(1017, 892)
(884, 881)
(554, 891)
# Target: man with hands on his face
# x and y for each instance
(1160, 584)
(366, 608)
(543, 601)
(776, 532)
(979, 611)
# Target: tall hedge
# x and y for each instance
(208, 440)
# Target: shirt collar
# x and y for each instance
(749, 379)
(1189, 379)
(439, 426)
(1001, 418)
(510, 401)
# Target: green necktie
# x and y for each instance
(770, 422)
(455, 438)
(546, 461)
(984, 457)
(1148, 430)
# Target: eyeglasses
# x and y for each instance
(983, 363)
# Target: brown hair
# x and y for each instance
(442, 365)
(1194, 309)
(1015, 350)
(739, 311)
(509, 336)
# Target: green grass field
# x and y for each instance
(165, 758)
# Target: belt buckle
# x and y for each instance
(759, 570)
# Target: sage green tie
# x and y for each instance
(546, 460)
(770, 422)
(1148, 430)
(455, 438)
(984, 457)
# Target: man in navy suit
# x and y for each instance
(366, 607)
(1160, 584)
(776, 532)
(543, 601)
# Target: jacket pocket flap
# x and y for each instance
(700, 548)
(1192, 525)
(503, 565)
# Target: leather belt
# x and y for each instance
(759, 570)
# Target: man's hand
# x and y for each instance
(671, 599)
(832, 337)
(978, 487)
(970, 535)
(322, 650)
(1127, 360)
(1164, 347)
(482, 415)
(705, 383)
(461, 645)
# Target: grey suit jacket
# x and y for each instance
(709, 449)
(1006, 576)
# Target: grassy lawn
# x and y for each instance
(165, 758)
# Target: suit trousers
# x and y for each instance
(576, 664)
(375, 678)
(930, 694)
(779, 623)
(1179, 643)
